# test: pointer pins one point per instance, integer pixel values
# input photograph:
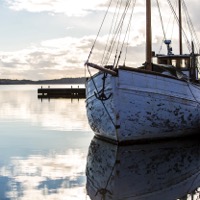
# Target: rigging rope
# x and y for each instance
(194, 37)
(117, 32)
(172, 30)
(115, 20)
(127, 31)
(191, 27)
(99, 31)
(119, 36)
(113, 24)
(177, 20)
(161, 20)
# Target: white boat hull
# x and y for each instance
(142, 106)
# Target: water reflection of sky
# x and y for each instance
(61, 114)
(53, 176)
(43, 146)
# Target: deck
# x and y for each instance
(61, 93)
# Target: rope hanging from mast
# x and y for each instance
(191, 27)
(114, 35)
(112, 27)
(177, 20)
(161, 19)
(99, 31)
(166, 41)
(162, 24)
(117, 32)
(127, 33)
(120, 23)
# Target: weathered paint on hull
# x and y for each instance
(167, 170)
(143, 106)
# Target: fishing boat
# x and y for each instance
(164, 170)
(157, 100)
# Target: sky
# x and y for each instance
(51, 39)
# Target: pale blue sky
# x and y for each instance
(22, 28)
(45, 39)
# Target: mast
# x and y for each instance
(148, 36)
(180, 28)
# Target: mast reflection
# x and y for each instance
(168, 170)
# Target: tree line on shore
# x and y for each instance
(79, 80)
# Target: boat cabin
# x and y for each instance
(182, 63)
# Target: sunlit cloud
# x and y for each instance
(70, 8)
(63, 57)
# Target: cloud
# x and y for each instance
(56, 58)
(65, 57)
(70, 8)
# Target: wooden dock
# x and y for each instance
(48, 93)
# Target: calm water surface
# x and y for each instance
(47, 152)
(43, 146)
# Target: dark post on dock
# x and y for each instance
(61, 93)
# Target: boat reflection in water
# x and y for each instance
(168, 170)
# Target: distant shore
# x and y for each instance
(80, 80)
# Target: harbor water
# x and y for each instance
(43, 145)
(48, 152)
